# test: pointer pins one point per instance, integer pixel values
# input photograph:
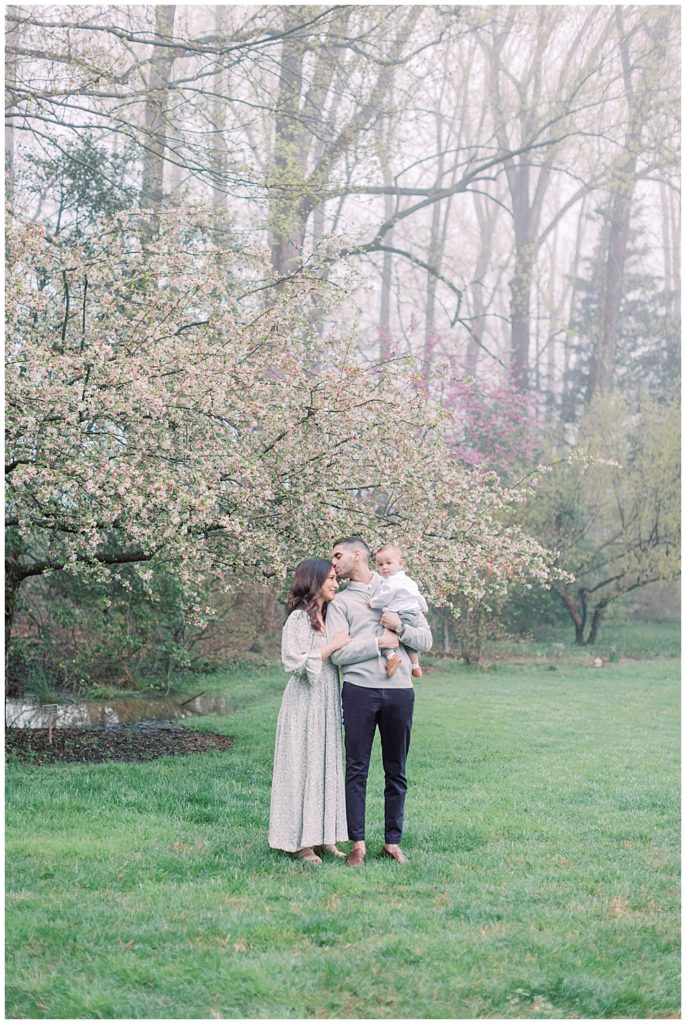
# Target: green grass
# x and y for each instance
(542, 823)
(617, 639)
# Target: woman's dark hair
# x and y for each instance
(308, 580)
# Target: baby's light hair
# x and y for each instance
(390, 547)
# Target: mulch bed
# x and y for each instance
(117, 744)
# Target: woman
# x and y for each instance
(307, 813)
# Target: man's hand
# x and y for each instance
(388, 639)
(391, 620)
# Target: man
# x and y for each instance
(371, 698)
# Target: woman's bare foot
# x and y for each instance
(329, 848)
(308, 854)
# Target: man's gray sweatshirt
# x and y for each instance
(361, 661)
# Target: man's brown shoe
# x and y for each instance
(356, 858)
(392, 664)
(396, 854)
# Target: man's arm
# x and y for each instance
(417, 638)
(362, 648)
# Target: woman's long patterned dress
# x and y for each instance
(308, 784)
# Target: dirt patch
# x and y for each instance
(117, 744)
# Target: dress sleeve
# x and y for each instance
(299, 655)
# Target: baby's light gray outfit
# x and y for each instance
(308, 785)
(398, 593)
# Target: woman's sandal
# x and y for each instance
(308, 854)
(330, 848)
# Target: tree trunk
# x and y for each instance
(602, 366)
(601, 375)
(577, 615)
(10, 82)
(286, 225)
(268, 622)
(675, 220)
(486, 225)
(579, 634)
(568, 396)
(446, 631)
(471, 362)
(520, 313)
(668, 240)
(472, 636)
(385, 347)
(526, 211)
(435, 259)
(219, 108)
(13, 581)
(596, 622)
(155, 117)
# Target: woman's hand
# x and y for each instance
(337, 641)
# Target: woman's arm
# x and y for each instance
(337, 641)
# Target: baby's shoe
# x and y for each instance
(392, 664)
(417, 672)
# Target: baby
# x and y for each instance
(397, 593)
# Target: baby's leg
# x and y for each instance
(391, 657)
(393, 661)
(410, 619)
(414, 662)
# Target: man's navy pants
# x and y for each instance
(364, 709)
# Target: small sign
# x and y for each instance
(51, 711)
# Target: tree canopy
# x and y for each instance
(277, 273)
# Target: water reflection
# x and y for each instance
(25, 714)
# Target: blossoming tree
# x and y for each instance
(165, 407)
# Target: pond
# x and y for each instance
(26, 714)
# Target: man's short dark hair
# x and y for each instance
(354, 542)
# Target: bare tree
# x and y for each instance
(10, 84)
(275, 111)
(156, 113)
(638, 72)
(524, 100)
(297, 186)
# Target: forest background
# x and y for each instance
(277, 273)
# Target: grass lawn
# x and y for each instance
(542, 823)
(617, 639)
